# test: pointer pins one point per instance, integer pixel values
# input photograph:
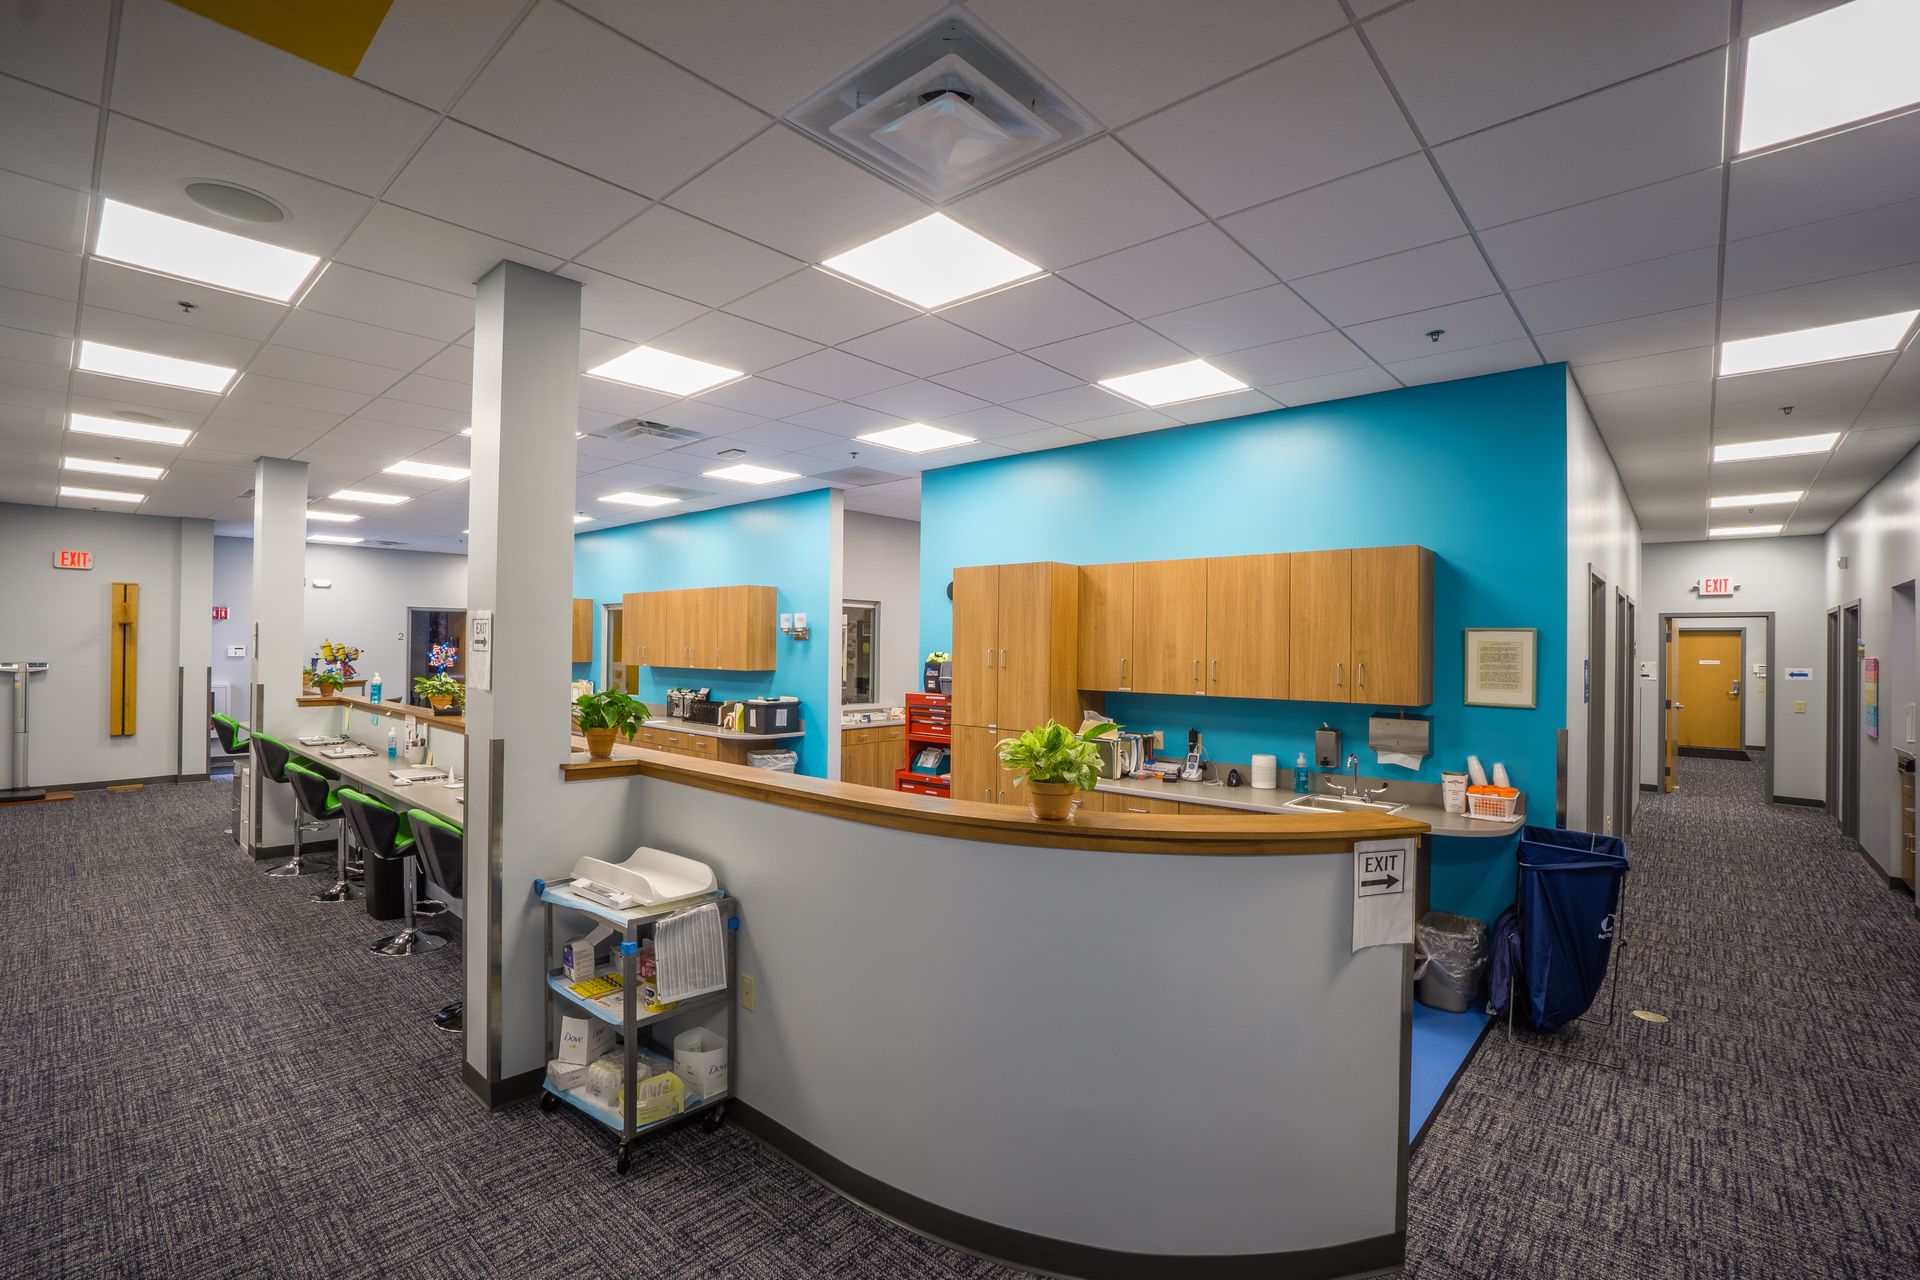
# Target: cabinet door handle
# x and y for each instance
(1003, 659)
(989, 659)
(1339, 674)
(1360, 675)
(1196, 670)
(1123, 673)
(716, 655)
(1214, 670)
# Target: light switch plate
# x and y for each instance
(746, 992)
(1799, 708)
(236, 651)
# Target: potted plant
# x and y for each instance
(328, 683)
(607, 715)
(1055, 763)
(440, 691)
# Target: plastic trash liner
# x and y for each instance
(1449, 960)
(1570, 885)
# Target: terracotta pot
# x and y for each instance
(439, 701)
(1052, 801)
(600, 743)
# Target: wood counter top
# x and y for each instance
(1230, 834)
(453, 724)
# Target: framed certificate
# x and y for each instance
(1502, 666)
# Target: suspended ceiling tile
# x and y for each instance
(1074, 405)
(36, 348)
(1414, 280)
(735, 343)
(666, 249)
(788, 436)
(1679, 402)
(1871, 293)
(366, 296)
(455, 364)
(1271, 314)
(165, 337)
(351, 340)
(1656, 127)
(330, 401)
(834, 373)
(42, 212)
(1316, 355)
(1234, 404)
(845, 419)
(1223, 151)
(1009, 377)
(1665, 369)
(54, 273)
(422, 389)
(1655, 221)
(47, 136)
(1042, 439)
(1183, 269)
(61, 46)
(765, 399)
(1089, 201)
(924, 345)
(820, 306)
(411, 246)
(419, 54)
(36, 313)
(1032, 314)
(1127, 348)
(1621, 293)
(1495, 358)
(1479, 322)
(409, 414)
(1332, 386)
(1864, 168)
(1639, 336)
(623, 309)
(1394, 206)
(991, 422)
(1843, 246)
(919, 401)
(276, 361)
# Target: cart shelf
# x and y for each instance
(611, 1119)
(557, 983)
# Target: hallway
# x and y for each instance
(1772, 1128)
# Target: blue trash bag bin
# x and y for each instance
(1570, 884)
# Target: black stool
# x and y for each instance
(233, 740)
(378, 831)
(441, 847)
(313, 795)
(270, 757)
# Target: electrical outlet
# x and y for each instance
(1159, 740)
(1799, 708)
(746, 992)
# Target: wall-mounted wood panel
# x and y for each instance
(123, 692)
(582, 630)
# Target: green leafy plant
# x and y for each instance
(610, 709)
(439, 686)
(1055, 753)
(329, 682)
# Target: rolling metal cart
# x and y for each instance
(632, 927)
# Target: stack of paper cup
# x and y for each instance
(1266, 773)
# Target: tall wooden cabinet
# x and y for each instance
(582, 630)
(1363, 626)
(700, 629)
(977, 771)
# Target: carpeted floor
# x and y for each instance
(1771, 1129)
(208, 1076)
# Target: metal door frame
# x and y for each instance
(1773, 683)
(1850, 711)
(1596, 691)
(1626, 781)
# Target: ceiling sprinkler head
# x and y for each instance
(1434, 335)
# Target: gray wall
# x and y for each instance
(1880, 538)
(64, 616)
(1778, 575)
(882, 562)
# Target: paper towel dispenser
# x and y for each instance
(1402, 734)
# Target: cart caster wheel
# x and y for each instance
(548, 1102)
(711, 1122)
(624, 1163)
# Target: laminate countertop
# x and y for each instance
(1247, 800)
(673, 724)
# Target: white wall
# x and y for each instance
(1777, 575)
(366, 606)
(1880, 538)
(64, 616)
(1603, 537)
(882, 562)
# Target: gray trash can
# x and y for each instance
(1450, 955)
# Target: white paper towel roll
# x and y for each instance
(1266, 773)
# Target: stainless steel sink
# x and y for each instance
(1339, 804)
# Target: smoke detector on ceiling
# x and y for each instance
(944, 111)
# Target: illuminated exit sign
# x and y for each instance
(73, 559)
(1716, 586)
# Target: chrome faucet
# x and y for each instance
(1356, 791)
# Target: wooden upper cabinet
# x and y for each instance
(976, 645)
(1039, 630)
(1106, 627)
(1321, 637)
(1249, 622)
(635, 618)
(701, 628)
(582, 630)
(1170, 626)
(1393, 625)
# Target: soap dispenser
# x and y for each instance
(1302, 781)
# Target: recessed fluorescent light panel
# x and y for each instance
(1847, 63)
(101, 495)
(145, 366)
(747, 473)
(155, 242)
(658, 370)
(428, 471)
(916, 437)
(1785, 447)
(639, 499)
(1757, 499)
(88, 424)
(333, 537)
(332, 517)
(102, 467)
(1742, 530)
(1848, 340)
(580, 517)
(363, 495)
(1188, 380)
(932, 262)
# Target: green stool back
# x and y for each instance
(232, 736)
(379, 831)
(442, 846)
(313, 796)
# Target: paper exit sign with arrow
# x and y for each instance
(1382, 901)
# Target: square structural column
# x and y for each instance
(526, 407)
(195, 639)
(279, 621)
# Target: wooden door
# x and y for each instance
(1393, 625)
(977, 773)
(1106, 627)
(1024, 698)
(1170, 626)
(1321, 637)
(976, 644)
(1249, 614)
(1710, 690)
(1670, 714)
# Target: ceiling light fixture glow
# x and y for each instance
(101, 495)
(1874, 335)
(639, 499)
(1742, 530)
(581, 517)
(1784, 447)
(748, 473)
(428, 471)
(368, 496)
(145, 366)
(656, 370)
(332, 517)
(154, 242)
(1848, 63)
(342, 538)
(1171, 384)
(1757, 499)
(916, 437)
(933, 262)
(102, 467)
(88, 424)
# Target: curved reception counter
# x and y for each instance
(1129, 1045)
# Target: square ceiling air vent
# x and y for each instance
(642, 429)
(859, 477)
(947, 109)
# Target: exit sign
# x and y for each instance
(219, 613)
(73, 559)
(1716, 586)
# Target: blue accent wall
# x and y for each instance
(1475, 470)
(785, 543)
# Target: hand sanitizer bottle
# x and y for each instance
(393, 746)
(1302, 783)
(373, 695)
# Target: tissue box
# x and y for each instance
(700, 1059)
(584, 1039)
(577, 959)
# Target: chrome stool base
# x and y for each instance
(452, 1017)
(340, 891)
(288, 869)
(408, 942)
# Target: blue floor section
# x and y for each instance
(1441, 1043)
